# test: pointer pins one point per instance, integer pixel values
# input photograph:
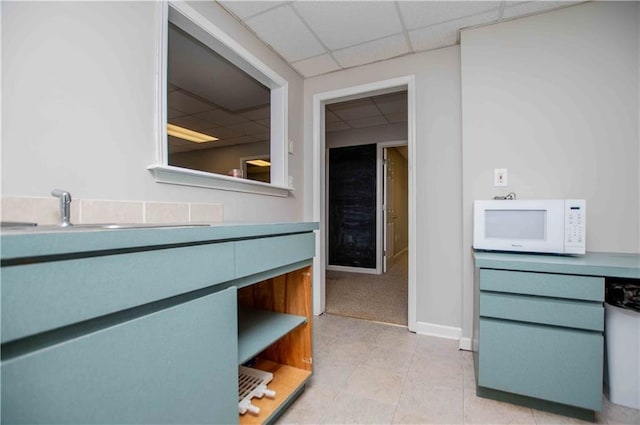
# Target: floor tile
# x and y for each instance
(479, 410)
(377, 384)
(620, 415)
(430, 405)
(367, 372)
(351, 409)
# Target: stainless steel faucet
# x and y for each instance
(65, 206)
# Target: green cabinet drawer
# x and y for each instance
(548, 363)
(586, 288)
(44, 296)
(167, 367)
(263, 254)
(550, 311)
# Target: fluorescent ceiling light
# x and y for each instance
(259, 162)
(190, 135)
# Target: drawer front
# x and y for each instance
(550, 311)
(167, 367)
(44, 296)
(263, 254)
(586, 288)
(555, 364)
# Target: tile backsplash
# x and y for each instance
(47, 211)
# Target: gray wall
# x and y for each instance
(554, 98)
(79, 108)
(438, 170)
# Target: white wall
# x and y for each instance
(438, 159)
(79, 108)
(554, 98)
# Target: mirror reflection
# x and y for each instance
(218, 117)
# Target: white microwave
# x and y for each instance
(555, 226)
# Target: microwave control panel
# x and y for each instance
(575, 226)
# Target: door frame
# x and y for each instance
(319, 192)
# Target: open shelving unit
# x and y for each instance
(274, 329)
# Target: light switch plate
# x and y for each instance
(290, 147)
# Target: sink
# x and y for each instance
(34, 227)
(134, 225)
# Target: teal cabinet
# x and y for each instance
(538, 335)
(164, 367)
(87, 287)
(143, 326)
(546, 362)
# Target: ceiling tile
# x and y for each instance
(180, 101)
(335, 126)
(330, 116)
(368, 122)
(419, 14)
(446, 34)
(221, 117)
(223, 132)
(242, 139)
(355, 109)
(246, 9)
(519, 8)
(434, 37)
(373, 51)
(191, 122)
(391, 103)
(344, 23)
(315, 66)
(286, 33)
(250, 128)
(397, 117)
(257, 114)
(173, 113)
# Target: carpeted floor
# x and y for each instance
(382, 298)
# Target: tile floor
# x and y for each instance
(372, 373)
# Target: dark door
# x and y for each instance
(352, 206)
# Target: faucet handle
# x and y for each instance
(65, 206)
(62, 194)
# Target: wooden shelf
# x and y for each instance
(258, 329)
(274, 325)
(287, 381)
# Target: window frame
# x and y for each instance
(192, 21)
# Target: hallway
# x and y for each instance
(381, 298)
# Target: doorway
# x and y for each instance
(367, 196)
(319, 101)
(366, 208)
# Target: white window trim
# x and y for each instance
(241, 57)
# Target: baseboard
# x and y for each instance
(465, 344)
(440, 331)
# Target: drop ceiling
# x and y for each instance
(318, 37)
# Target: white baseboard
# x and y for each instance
(441, 331)
(465, 344)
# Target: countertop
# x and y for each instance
(591, 264)
(34, 242)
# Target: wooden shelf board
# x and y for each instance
(258, 329)
(286, 380)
